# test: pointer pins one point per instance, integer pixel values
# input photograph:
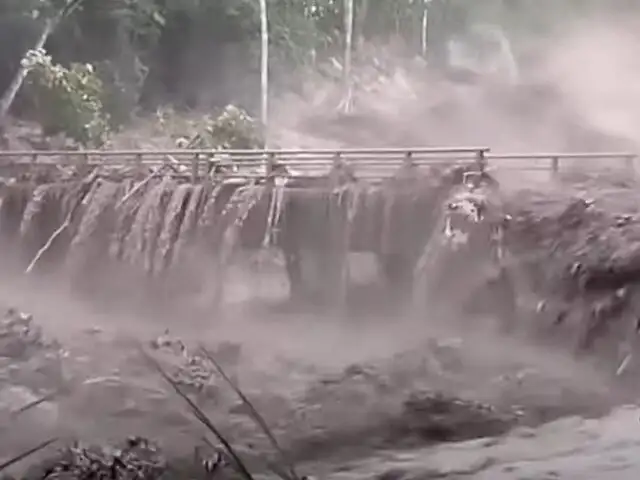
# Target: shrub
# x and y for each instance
(68, 100)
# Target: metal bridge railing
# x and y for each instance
(374, 163)
(367, 162)
(552, 161)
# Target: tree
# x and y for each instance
(347, 102)
(69, 100)
(53, 15)
(264, 66)
(424, 24)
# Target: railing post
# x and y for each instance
(335, 170)
(34, 158)
(555, 166)
(271, 163)
(630, 165)
(481, 160)
(195, 168)
(408, 159)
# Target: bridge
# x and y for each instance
(372, 164)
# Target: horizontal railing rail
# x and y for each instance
(253, 152)
(552, 161)
(369, 162)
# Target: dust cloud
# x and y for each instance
(595, 70)
(577, 91)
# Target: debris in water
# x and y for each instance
(194, 370)
(136, 459)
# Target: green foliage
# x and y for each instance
(232, 129)
(134, 43)
(69, 100)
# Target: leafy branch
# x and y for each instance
(54, 12)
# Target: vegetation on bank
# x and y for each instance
(90, 65)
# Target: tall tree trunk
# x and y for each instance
(424, 28)
(264, 67)
(438, 33)
(18, 79)
(348, 50)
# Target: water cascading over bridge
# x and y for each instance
(149, 209)
(186, 213)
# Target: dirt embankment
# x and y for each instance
(576, 251)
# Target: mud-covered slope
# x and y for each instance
(573, 252)
(571, 448)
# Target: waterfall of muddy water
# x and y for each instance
(140, 244)
(353, 202)
(306, 235)
(188, 227)
(191, 232)
(410, 206)
(342, 210)
(171, 228)
(206, 215)
(276, 203)
(428, 260)
(267, 261)
(232, 219)
(14, 200)
(196, 241)
(124, 217)
(465, 248)
(91, 238)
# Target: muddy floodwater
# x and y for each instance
(570, 448)
(346, 402)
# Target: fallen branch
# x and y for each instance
(139, 185)
(291, 473)
(242, 469)
(45, 248)
(173, 164)
(25, 408)
(67, 222)
(45, 398)
(624, 364)
(25, 454)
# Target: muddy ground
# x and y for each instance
(382, 396)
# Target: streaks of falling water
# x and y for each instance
(238, 208)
